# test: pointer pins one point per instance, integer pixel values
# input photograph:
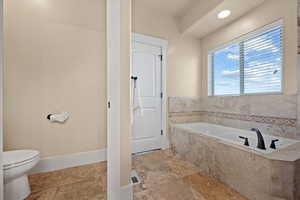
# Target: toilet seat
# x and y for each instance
(12, 159)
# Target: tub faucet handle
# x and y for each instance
(246, 143)
(273, 145)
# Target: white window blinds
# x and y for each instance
(263, 62)
(250, 65)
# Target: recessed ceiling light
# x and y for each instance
(223, 14)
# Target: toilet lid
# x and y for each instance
(12, 158)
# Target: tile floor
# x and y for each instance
(163, 177)
(78, 183)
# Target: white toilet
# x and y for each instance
(16, 165)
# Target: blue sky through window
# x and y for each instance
(227, 71)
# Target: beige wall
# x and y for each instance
(267, 13)
(183, 73)
(55, 61)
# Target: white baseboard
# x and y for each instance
(127, 192)
(70, 160)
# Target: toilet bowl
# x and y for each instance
(16, 165)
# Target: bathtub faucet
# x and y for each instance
(260, 139)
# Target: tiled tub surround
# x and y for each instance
(256, 175)
(231, 135)
(273, 114)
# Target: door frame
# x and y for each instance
(113, 37)
(163, 44)
(1, 95)
(118, 37)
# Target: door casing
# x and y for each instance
(163, 44)
(113, 98)
(1, 96)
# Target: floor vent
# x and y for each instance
(135, 179)
(145, 152)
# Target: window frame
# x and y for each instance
(240, 41)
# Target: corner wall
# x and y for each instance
(55, 61)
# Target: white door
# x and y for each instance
(147, 118)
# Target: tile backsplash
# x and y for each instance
(273, 114)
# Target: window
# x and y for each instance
(250, 65)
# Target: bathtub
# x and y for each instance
(257, 174)
(231, 135)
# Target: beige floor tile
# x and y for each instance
(175, 190)
(163, 177)
(81, 191)
(142, 195)
(82, 182)
(211, 189)
(166, 177)
(47, 194)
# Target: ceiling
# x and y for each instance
(192, 15)
(210, 21)
(175, 8)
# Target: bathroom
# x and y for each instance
(214, 116)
